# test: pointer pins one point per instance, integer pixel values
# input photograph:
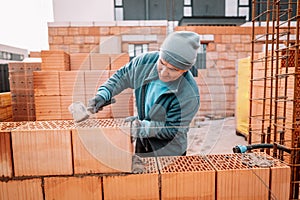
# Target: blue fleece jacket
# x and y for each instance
(173, 110)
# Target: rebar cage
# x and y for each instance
(274, 115)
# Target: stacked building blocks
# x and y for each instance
(125, 102)
(93, 79)
(44, 91)
(237, 180)
(5, 155)
(118, 60)
(57, 60)
(72, 89)
(22, 189)
(21, 77)
(5, 107)
(186, 177)
(39, 150)
(56, 160)
(80, 61)
(75, 187)
(100, 61)
(144, 184)
(104, 148)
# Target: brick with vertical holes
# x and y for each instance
(21, 189)
(42, 151)
(5, 155)
(142, 185)
(103, 149)
(66, 188)
(236, 180)
(186, 177)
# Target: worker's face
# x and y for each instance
(168, 72)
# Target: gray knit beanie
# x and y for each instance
(180, 49)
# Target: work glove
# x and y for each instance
(138, 128)
(95, 104)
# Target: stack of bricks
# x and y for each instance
(186, 177)
(236, 180)
(217, 83)
(143, 184)
(22, 89)
(87, 37)
(97, 61)
(58, 60)
(67, 78)
(93, 159)
(46, 153)
(5, 107)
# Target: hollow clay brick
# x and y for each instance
(236, 180)
(66, 188)
(280, 178)
(5, 155)
(93, 79)
(71, 83)
(21, 189)
(186, 177)
(118, 60)
(46, 83)
(47, 107)
(41, 152)
(80, 61)
(124, 104)
(142, 185)
(102, 150)
(55, 60)
(99, 61)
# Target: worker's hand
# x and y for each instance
(95, 104)
(138, 128)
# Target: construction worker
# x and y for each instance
(167, 96)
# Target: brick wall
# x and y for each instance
(217, 83)
(87, 37)
(225, 46)
(47, 160)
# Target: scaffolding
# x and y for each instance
(275, 82)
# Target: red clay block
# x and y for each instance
(5, 155)
(93, 79)
(80, 61)
(236, 180)
(118, 60)
(99, 61)
(88, 187)
(104, 149)
(71, 83)
(144, 185)
(186, 177)
(41, 152)
(47, 107)
(55, 60)
(280, 178)
(21, 189)
(46, 83)
(124, 104)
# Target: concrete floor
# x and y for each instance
(214, 137)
